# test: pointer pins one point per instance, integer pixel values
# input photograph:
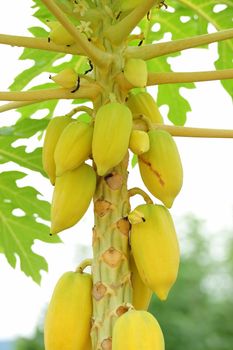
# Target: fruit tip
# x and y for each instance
(53, 230)
(168, 202)
(162, 295)
(101, 171)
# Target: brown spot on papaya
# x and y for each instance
(99, 291)
(154, 171)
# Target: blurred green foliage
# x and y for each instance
(199, 310)
(34, 343)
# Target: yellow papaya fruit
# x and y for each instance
(112, 128)
(137, 330)
(161, 168)
(53, 132)
(67, 78)
(135, 71)
(139, 142)
(68, 319)
(155, 248)
(59, 35)
(141, 293)
(143, 103)
(73, 146)
(71, 197)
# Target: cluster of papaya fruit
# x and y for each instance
(69, 143)
(69, 319)
(154, 258)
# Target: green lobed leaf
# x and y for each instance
(169, 94)
(208, 12)
(183, 19)
(19, 155)
(18, 233)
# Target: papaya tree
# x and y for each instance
(115, 55)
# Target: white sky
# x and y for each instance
(207, 191)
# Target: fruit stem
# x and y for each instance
(120, 31)
(188, 77)
(194, 132)
(86, 109)
(136, 190)
(85, 263)
(87, 90)
(146, 120)
(97, 56)
(147, 52)
(39, 43)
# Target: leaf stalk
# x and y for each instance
(188, 77)
(89, 91)
(147, 52)
(195, 132)
(39, 43)
(119, 32)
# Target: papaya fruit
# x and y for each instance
(68, 318)
(112, 128)
(72, 195)
(161, 167)
(67, 78)
(155, 248)
(58, 34)
(73, 146)
(137, 330)
(141, 293)
(53, 132)
(143, 103)
(135, 71)
(139, 142)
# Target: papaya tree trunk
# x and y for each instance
(112, 291)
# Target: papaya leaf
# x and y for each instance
(19, 209)
(28, 127)
(19, 155)
(24, 128)
(183, 19)
(134, 160)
